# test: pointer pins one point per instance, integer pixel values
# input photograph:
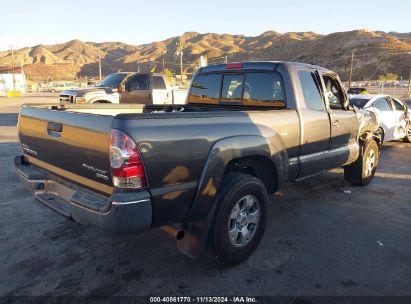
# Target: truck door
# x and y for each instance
(386, 117)
(160, 93)
(401, 118)
(315, 125)
(137, 90)
(344, 124)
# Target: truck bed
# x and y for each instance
(72, 141)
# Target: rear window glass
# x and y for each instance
(205, 89)
(158, 83)
(264, 89)
(232, 88)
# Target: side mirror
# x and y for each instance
(122, 88)
(347, 105)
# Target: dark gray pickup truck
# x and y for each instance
(202, 171)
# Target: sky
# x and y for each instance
(28, 23)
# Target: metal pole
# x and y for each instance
(181, 66)
(164, 65)
(12, 68)
(409, 86)
(99, 64)
(351, 66)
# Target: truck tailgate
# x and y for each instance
(72, 145)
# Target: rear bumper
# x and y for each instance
(127, 212)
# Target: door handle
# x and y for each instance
(335, 123)
(54, 129)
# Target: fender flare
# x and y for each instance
(223, 151)
(108, 98)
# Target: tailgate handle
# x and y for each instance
(54, 129)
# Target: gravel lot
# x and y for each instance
(320, 241)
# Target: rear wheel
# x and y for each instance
(240, 218)
(362, 171)
(407, 137)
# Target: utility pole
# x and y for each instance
(409, 85)
(99, 64)
(351, 66)
(164, 66)
(180, 51)
(12, 67)
(71, 67)
(181, 66)
(226, 59)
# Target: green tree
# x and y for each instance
(381, 77)
(169, 74)
(391, 77)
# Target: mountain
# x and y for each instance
(375, 53)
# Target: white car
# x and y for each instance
(392, 113)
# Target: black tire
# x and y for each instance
(407, 137)
(359, 173)
(382, 135)
(234, 187)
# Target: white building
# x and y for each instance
(6, 83)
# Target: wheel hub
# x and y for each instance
(244, 220)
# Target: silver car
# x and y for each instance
(392, 113)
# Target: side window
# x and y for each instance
(205, 89)
(232, 88)
(382, 105)
(398, 106)
(333, 92)
(158, 83)
(309, 86)
(137, 83)
(264, 89)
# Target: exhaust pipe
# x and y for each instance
(173, 231)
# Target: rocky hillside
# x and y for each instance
(375, 53)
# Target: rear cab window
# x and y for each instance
(249, 88)
(158, 83)
(205, 89)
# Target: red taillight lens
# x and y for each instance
(127, 168)
(234, 66)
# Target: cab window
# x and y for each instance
(137, 83)
(333, 93)
(311, 92)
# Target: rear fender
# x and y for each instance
(202, 212)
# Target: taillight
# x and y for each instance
(234, 66)
(127, 168)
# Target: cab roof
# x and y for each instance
(259, 65)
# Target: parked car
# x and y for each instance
(128, 87)
(202, 171)
(58, 87)
(355, 91)
(392, 113)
